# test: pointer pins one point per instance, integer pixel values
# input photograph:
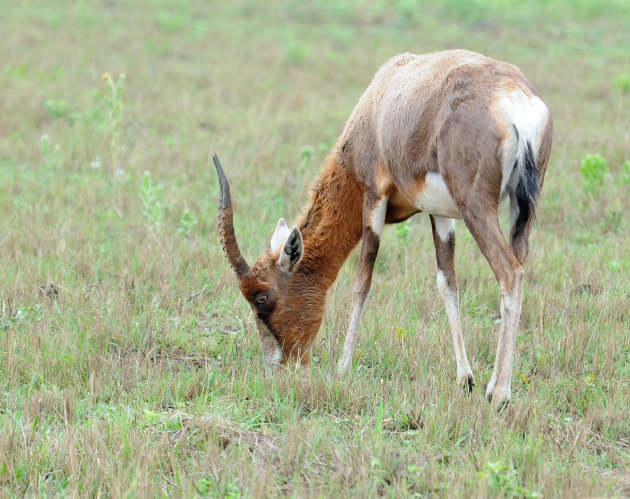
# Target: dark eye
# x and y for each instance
(262, 298)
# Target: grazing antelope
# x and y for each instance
(450, 133)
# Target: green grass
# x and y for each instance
(129, 362)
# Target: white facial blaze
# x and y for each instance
(280, 235)
(272, 353)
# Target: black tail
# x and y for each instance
(525, 195)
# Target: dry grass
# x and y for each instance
(130, 365)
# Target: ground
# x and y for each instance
(129, 362)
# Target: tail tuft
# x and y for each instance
(526, 194)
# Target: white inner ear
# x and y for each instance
(292, 251)
(280, 235)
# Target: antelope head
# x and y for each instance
(288, 306)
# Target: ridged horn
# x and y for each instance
(226, 226)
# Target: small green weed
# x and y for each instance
(209, 488)
(51, 158)
(169, 22)
(169, 141)
(152, 207)
(187, 224)
(504, 480)
(625, 173)
(56, 108)
(401, 332)
(594, 169)
(295, 51)
(613, 221)
(402, 233)
(622, 82)
(15, 71)
(205, 487)
(619, 266)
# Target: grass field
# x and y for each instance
(130, 363)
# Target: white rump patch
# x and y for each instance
(435, 199)
(529, 114)
(280, 235)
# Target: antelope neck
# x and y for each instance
(332, 224)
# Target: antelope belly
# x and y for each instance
(433, 197)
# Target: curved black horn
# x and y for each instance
(226, 226)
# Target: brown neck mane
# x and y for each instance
(332, 224)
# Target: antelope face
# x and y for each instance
(288, 308)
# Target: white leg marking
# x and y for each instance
(444, 227)
(351, 337)
(451, 301)
(500, 386)
(377, 217)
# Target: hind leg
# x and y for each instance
(484, 226)
(444, 240)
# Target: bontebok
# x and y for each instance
(451, 134)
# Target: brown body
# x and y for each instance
(450, 133)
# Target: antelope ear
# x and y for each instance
(292, 251)
(280, 235)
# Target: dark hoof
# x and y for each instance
(500, 407)
(469, 384)
(503, 406)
